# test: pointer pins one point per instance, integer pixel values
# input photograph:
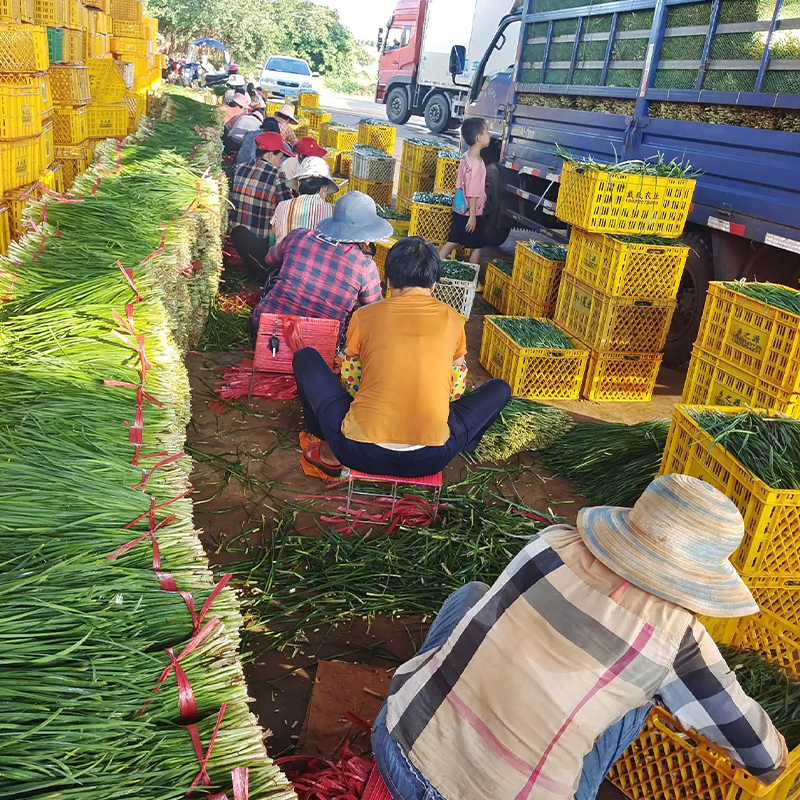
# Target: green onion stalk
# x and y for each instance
(458, 270)
(772, 294)
(433, 199)
(610, 463)
(531, 332)
(656, 166)
(87, 621)
(523, 425)
(552, 252)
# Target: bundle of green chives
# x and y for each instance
(655, 167)
(657, 241)
(523, 425)
(369, 151)
(226, 329)
(506, 267)
(458, 271)
(767, 446)
(531, 332)
(772, 294)
(610, 463)
(433, 199)
(552, 252)
(391, 213)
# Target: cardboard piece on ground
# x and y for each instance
(340, 687)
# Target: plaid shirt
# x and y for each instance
(559, 649)
(318, 278)
(287, 132)
(257, 189)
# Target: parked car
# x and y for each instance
(285, 76)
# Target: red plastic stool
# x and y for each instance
(353, 475)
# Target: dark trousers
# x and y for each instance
(252, 250)
(325, 404)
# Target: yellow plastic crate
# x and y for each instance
(381, 251)
(339, 137)
(75, 160)
(5, 229)
(109, 120)
(496, 288)
(410, 182)
(618, 324)
(431, 222)
(70, 124)
(20, 111)
(771, 516)
(49, 13)
(106, 83)
(21, 162)
(757, 338)
(48, 145)
(666, 762)
(127, 9)
(17, 11)
(95, 45)
(711, 380)
(127, 28)
(399, 227)
(345, 163)
(344, 188)
(273, 108)
(72, 14)
(100, 22)
(446, 170)
(331, 158)
(309, 99)
(23, 48)
(621, 377)
(70, 84)
(535, 373)
(17, 201)
(421, 157)
(379, 191)
(124, 46)
(39, 81)
(53, 178)
(404, 203)
(380, 136)
(623, 269)
(611, 202)
(538, 278)
(74, 45)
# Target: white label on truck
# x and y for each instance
(782, 242)
(719, 224)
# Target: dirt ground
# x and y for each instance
(247, 460)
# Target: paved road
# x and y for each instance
(348, 110)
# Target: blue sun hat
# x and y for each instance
(355, 220)
(675, 543)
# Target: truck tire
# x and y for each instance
(495, 231)
(437, 113)
(697, 273)
(397, 106)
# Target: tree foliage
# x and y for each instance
(256, 29)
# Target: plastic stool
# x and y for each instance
(375, 788)
(434, 481)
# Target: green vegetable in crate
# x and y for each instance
(458, 271)
(448, 154)
(506, 267)
(523, 425)
(422, 142)
(775, 691)
(391, 213)
(529, 332)
(381, 123)
(768, 446)
(369, 151)
(656, 166)
(772, 294)
(433, 199)
(552, 252)
(657, 241)
(610, 463)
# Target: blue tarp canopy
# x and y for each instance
(209, 42)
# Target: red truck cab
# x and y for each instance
(397, 65)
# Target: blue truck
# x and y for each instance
(714, 83)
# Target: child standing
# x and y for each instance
(467, 226)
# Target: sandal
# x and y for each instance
(311, 453)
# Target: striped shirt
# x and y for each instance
(305, 211)
(558, 650)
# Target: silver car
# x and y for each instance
(285, 76)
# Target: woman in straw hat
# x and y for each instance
(286, 118)
(534, 687)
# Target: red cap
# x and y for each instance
(272, 142)
(307, 146)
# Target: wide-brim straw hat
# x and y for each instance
(674, 543)
(355, 220)
(287, 111)
(313, 167)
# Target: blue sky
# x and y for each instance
(363, 18)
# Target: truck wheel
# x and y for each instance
(697, 273)
(495, 231)
(437, 113)
(397, 106)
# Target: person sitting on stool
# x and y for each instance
(404, 362)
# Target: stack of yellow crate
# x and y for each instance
(372, 172)
(25, 104)
(339, 139)
(108, 113)
(444, 180)
(417, 169)
(620, 281)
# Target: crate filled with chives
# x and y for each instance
(345, 163)
(398, 218)
(447, 162)
(497, 284)
(431, 215)
(534, 356)
(457, 285)
(379, 191)
(372, 164)
(537, 275)
(420, 156)
(339, 137)
(377, 133)
(308, 99)
(753, 457)
(647, 267)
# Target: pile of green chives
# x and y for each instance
(433, 199)
(772, 294)
(552, 252)
(530, 332)
(458, 270)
